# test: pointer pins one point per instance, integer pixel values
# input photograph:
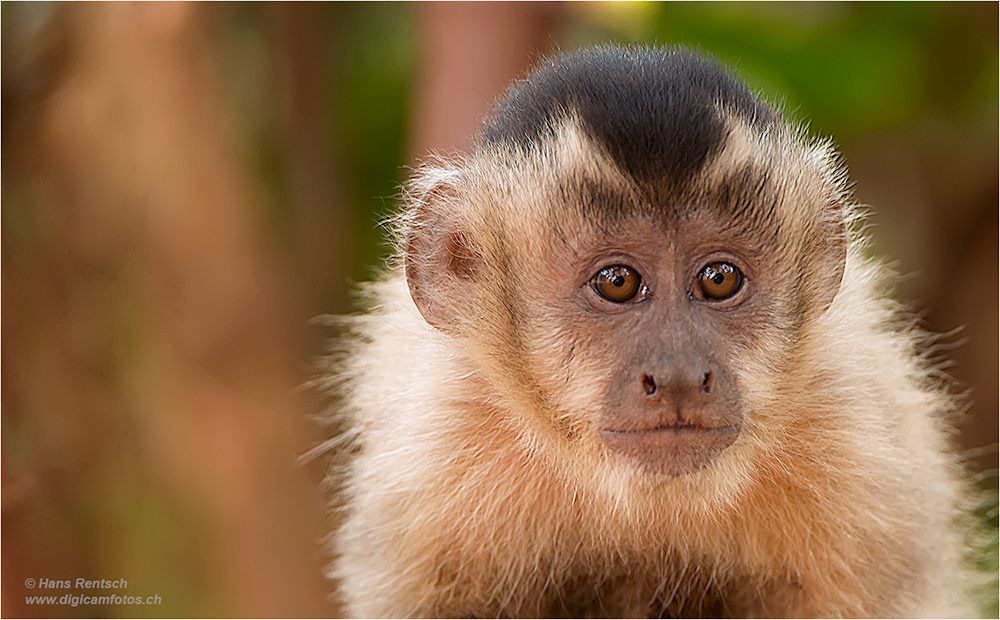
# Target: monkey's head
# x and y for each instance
(632, 257)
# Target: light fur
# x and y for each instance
(840, 498)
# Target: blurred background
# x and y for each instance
(185, 186)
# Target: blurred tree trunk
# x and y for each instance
(470, 51)
(152, 349)
(322, 248)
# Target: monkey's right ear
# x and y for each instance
(441, 260)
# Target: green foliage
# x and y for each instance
(985, 547)
(372, 64)
(849, 68)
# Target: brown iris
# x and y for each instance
(617, 283)
(718, 281)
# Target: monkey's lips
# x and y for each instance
(671, 450)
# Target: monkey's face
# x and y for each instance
(664, 311)
(644, 333)
(626, 327)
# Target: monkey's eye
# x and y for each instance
(719, 281)
(617, 283)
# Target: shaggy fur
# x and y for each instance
(475, 484)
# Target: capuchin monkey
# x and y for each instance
(630, 359)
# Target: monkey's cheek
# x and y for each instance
(671, 451)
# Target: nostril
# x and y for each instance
(707, 382)
(649, 384)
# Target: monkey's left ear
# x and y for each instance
(441, 260)
(830, 242)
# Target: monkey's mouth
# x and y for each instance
(673, 449)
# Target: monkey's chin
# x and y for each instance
(671, 450)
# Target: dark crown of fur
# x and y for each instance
(657, 111)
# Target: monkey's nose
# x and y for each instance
(707, 382)
(678, 386)
(649, 384)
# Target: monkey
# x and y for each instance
(631, 358)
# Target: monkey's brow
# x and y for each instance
(748, 197)
(597, 200)
(746, 200)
